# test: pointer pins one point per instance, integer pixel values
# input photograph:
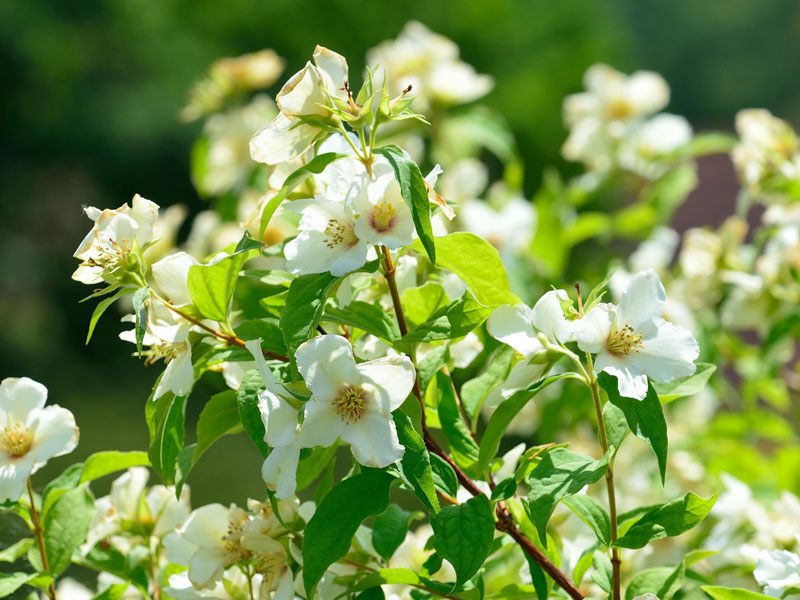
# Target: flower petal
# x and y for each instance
(548, 316)
(13, 475)
(206, 567)
(326, 363)
(512, 325)
(19, 398)
(280, 470)
(281, 140)
(642, 300)
(669, 353)
(393, 378)
(373, 440)
(279, 418)
(592, 329)
(171, 274)
(54, 433)
(321, 426)
(631, 381)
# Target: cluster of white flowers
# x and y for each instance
(614, 123)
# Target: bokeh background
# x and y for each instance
(88, 116)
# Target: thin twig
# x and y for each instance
(39, 533)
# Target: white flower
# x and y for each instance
(305, 94)
(517, 326)
(612, 96)
(166, 336)
(353, 401)
(768, 146)
(509, 229)
(208, 542)
(643, 151)
(171, 275)
(633, 342)
(158, 510)
(428, 62)
(115, 236)
(279, 470)
(327, 240)
(383, 216)
(777, 570)
(30, 433)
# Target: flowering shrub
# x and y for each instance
(384, 333)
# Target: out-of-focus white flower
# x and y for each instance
(509, 229)
(768, 147)
(633, 342)
(226, 159)
(430, 64)
(465, 180)
(72, 590)
(30, 433)
(165, 231)
(465, 350)
(777, 570)
(114, 239)
(353, 401)
(158, 510)
(656, 252)
(643, 151)
(307, 93)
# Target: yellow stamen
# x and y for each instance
(624, 341)
(382, 216)
(15, 440)
(338, 234)
(351, 403)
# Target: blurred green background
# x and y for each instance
(89, 108)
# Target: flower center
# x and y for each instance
(351, 403)
(624, 341)
(620, 109)
(338, 234)
(16, 440)
(382, 216)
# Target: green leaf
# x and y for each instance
(722, 593)
(463, 535)
(389, 530)
(68, 480)
(101, 308)
(312, 465)
(304, 305)
(373, 593)
(455, 320)
(15, 551)
(388, 576)
(330, 531)
(315, 166)
(211, 286)
(113, 592)
(416, 462)
(462, 446)
(246, 244)
(664, 582)
(444, 477)
(603, 571)
(249, 414)
(103, 463)
(538, 578)
(594, 515)
(419, 303)
(11, 582)
(477, 263)
(220, 417)
(475, 391)
(168, 442)
(560, 474)
(501, 418)
(685, 386)
(504, 490)
(65, 527)
(140, 315)
(415, 193)
(367, 317)
(645, 417)
(616, 425)
(667, 520)
(432, 364)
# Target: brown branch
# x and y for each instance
(231, 340)
(39, 533)
(505, 522)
